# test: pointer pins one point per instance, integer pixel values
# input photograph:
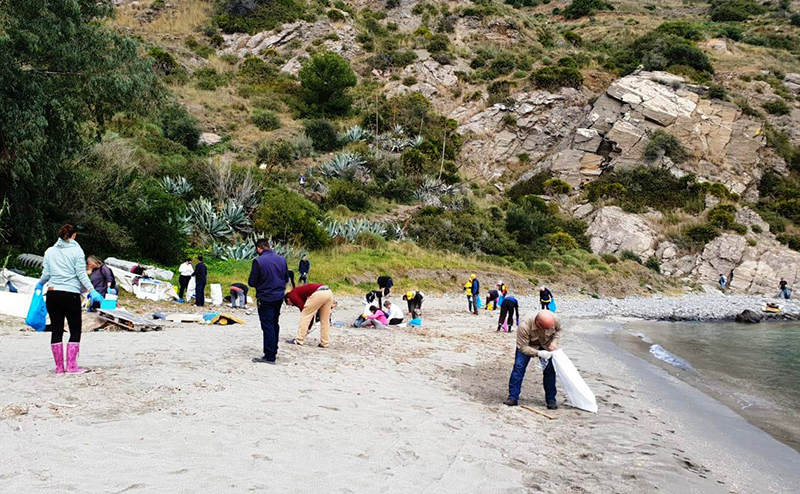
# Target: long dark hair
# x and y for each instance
(66, 231)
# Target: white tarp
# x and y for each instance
(149, 271)
(23, 284)
(146, 288)
(578, 392)
(15, 304)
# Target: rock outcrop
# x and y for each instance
(612, 231)
(343, 43)
(724, 144)
(532, 122)
(748, 316)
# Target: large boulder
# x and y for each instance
(612, 231)
(748, 316)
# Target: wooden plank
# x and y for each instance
(128, 321)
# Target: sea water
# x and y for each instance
(752, 368)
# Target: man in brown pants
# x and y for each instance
(309, 299)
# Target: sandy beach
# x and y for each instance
(402, 410)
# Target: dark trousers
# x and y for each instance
(413, 306)
(60, 306)
(518, 374)
(507, 315)
(491, 300)
(545, 305)
(269, 314)
(183, 281)
(200, 294)
(395, 321)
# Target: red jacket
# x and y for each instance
(299, 295)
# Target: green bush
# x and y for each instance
(348, 194)
(777, 107)
(238, 16)
(153, 222)
(266, 120)
(388, 59)
(794, 20)
(573, 38)
(323, 134)
(627, 255)
(583, 8)
(200, 49)
(371, 240)
(165, 65)
(756, 229)
(553, 78)
(543, 268)
(609, 258)
(700, 234)
(255, 71)
(274, 153)
(653, 264)
(531, 186)
(791, 241)
(562, 242)
(663, 143)
(555, 186)
(734, 10)
(646, 186)
(208, 79)
(662, 50)
(325, 80)
(178, 126)
(336, 15)
(288, 217)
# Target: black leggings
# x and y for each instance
(184, 283)
(395, 321)
(508, 314)
(62, 305)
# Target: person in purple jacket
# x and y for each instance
(269, 275)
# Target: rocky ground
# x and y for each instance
(691, 307)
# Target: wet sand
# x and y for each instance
(402, 410)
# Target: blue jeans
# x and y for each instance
(518, 374)
(269, 314)
(784, 293)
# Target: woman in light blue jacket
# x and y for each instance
(65, 274)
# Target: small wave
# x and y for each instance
(642, 337)
(665, 355)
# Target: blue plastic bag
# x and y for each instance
(37, 312)
(478, 301)
(552, 306)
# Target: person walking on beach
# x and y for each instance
(64, 271)
(310, 299)
(269, 275)
(303, 269)
(784, 290)
(200, 280)
(509, 306)
(537, 336)
(185, 272)
(545, 297)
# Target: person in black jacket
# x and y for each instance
(545, 297)
(507, 309)
(200, 279)
(303, 269)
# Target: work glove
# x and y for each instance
(39, 286)
(95, 296)
(544, 354)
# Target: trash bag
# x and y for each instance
(579, 394)
(415, 322)
(37, 312)
(216, 294)
(478, 301)
(552, 305)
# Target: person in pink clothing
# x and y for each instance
(377, 319)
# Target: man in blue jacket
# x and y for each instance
(269, 275)
(476, 291)
(200, 279)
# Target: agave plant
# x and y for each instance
(349, 166)
(234, 214)
(395, 231)
(352, 228)
(175, 186)
(432, 191)
(206, 222)
(354, 134)
(417, 141)
(240, 251)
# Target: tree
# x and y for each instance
(287, 216)
(63, 75)
(325, 79)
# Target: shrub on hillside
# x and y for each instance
(152, 217)
(178, 126)
(647, 186)
(255, 71)
(336, 15)
(325, 80)
(777, 107)
(165, 65)
(266, 120)
(662, 49)
(734, 10)
(609, 258)
(531, 186)
(252, 16)
(662, 143)
(562, 242)
(208, 79)
(627, 255)
(791, 241)
(583, 8)
(322, 134)
(700, 234)
(554, 78)
(653, 264)
(288, 217)
(348, 194)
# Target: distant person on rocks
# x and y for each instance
(303, 269)
(393, 313)
(64, 271)
(784, 290)
(545, 297)
(376, 319)
(509, 306)
(492, 299)
(537, 336)
(722, 281)
(239, 295)
(269, 275)
(311, 299)
(200, 280)
(185, 272)
(414, 300)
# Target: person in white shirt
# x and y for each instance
(395, 313)
(186, 270)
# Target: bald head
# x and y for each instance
(545, 319)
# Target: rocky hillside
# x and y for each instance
(569, 101)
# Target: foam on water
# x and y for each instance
(665, 355)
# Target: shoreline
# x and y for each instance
(405, 410)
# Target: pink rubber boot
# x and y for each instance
(58, 356)
(72, 358)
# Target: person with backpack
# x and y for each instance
(64, 271)
(101, 276)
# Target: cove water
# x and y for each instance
(752, 368)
